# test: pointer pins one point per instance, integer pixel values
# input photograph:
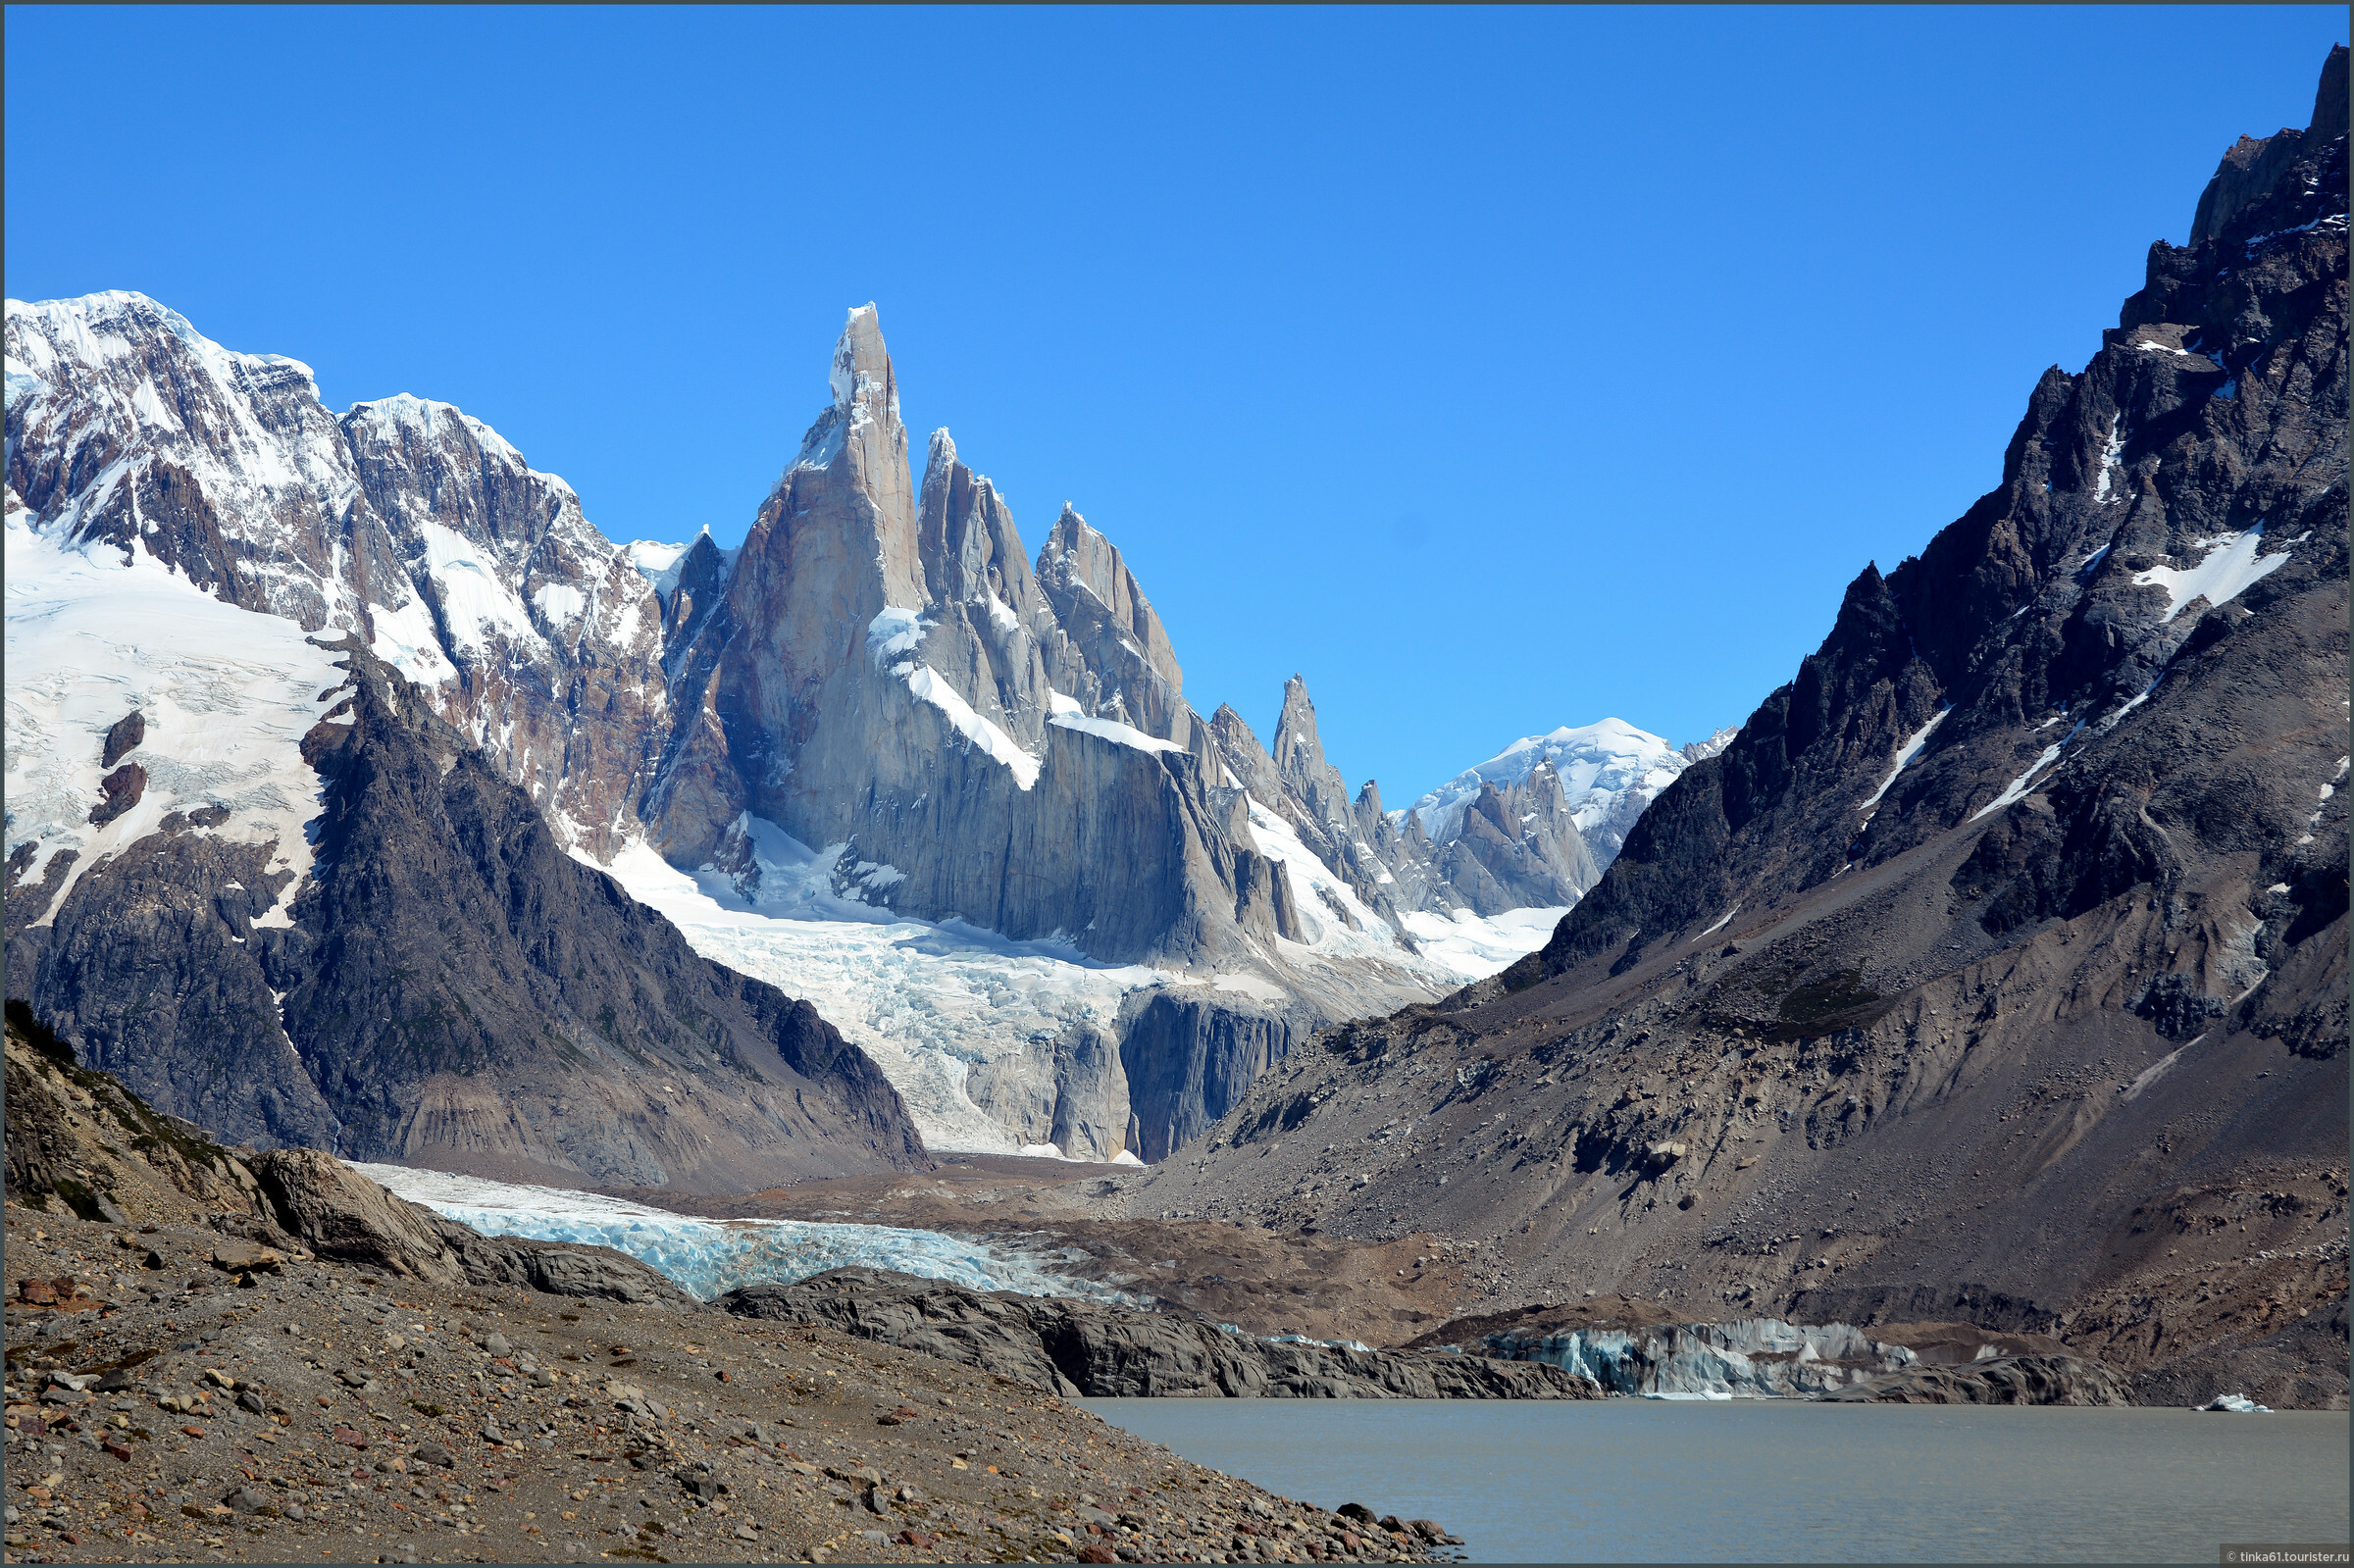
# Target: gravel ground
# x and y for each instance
(317, 1412)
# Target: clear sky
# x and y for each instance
(1496, 370)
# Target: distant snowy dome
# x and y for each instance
(1610, 771)
(658, 563)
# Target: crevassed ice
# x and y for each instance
(925, 1001)
(708, 1258)
(1752, 1357)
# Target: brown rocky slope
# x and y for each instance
(1996, 971)
(264, 1357)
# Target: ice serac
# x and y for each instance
(1995, 972)
(405, 521)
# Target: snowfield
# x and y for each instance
(926, 1002)
(227, 696)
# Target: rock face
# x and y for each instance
(79, 1138)
(1092, 1350)
(2070, 635)
(2007, 1380)
(885, 675)
(448, 986)
(1996, 970)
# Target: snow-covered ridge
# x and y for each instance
(708, 1258)
(1067, 714)
(405, 520)
(1610, 771)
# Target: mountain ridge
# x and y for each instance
(1996, 968)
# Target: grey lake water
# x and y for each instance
(1750, 1481)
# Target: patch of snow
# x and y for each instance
(2017, 788)
(2230, 567)
(560, 602)
(893, 633)
(407, 640)
(227, 696)
(2110, 456)
(1110, 730)
(1722, 920)
(473, 595)
(1906, 753)
(1002, 747)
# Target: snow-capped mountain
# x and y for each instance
(403, 520)
(1606, 774)
(876, 756)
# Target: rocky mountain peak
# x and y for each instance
(1113, 628)
(863, 378)
(2252, 169)
(1300, 757)
(971, 551)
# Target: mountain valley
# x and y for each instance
(1982, 997)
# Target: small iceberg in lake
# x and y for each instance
(1694, 1393)
(2238, 1404)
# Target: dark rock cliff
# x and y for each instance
(1996, 971)
(453, 989)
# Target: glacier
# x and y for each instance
(95, 631)
(929, 1000)
(708, 1258)
(1756, 1358)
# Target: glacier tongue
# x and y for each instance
(1759, 1358)
(710, 1257)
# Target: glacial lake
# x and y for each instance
(1757, 1481)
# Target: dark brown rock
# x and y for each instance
(121, 789)
(2007, 1380)
(124, 736)
(1090, 1348)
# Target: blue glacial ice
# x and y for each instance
(708, 1258)
(1762, 1358)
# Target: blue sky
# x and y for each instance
(1496, 370)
